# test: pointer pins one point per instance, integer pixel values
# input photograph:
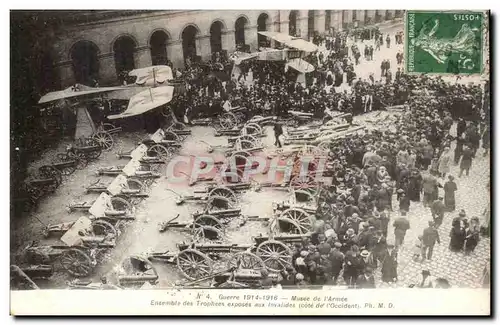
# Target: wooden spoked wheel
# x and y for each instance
(91, 154)
(49, 171)
(121, 204)
(76, 262)
(171, 136)
(228, 121)
(194, 264)
(104, 228)
(239, 161)
(251, 129)
(105, 127)
(104, 139)
(160, 151)
(246, 261)
(135, 184)
(211, 233)
(224, 192)
(230, 177)
(248, 137)
(68, 168)
(79, 157)
(207, 220)
(300, 220)
(217, 203)
(275, 255)
(244, 144)
(303, 196)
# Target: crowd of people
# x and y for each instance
(375, 173)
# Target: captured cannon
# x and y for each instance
(156, 154)
(106, 206)
(135, 271)
(84, 242)
(134, 169)
(131, 189)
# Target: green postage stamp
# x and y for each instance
(444, 42)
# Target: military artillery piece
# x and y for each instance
(109, 207)
(156, 154)
(84, 241)
(135, 271)
(134, 169)
(47, 181)
(210, 192)
(167, 139)
(122, 187)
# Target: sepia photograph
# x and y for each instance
(270, 151)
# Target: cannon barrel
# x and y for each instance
(224, 213)
(136, 279)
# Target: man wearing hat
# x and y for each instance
(366, 280)
(437, 209)
(401, 226)
(429, 238)
(404, 202)
(336, 258)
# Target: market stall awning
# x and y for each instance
(146, 101)
(150, 76)
(74, 91)
(290, 41)
(300, 65)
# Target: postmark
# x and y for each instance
(448, 42)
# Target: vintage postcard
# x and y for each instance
(315, 162)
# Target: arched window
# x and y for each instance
(292, 23)
(216, 36)
(189, 42)
(84, 57)
(262, 27)
(158, 44)
(124, 48)
(239, 32)
(310, 23)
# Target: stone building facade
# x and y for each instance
(100, 45)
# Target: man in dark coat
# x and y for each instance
(390, 264)
(450, 187)
(278, 131)
(437, 209)
(429, 238)
(366, 280)
(336, 258)
(466, 162)
(401, 225)
(461, 126)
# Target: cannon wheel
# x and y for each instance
(300, 219)
(104, 228)
(160, 151)
(121, 204)
(176, 126)
(93, 154)
(216, 203)
(247, 261)
(207, 220)
(249, 138)
(244, 144)
(242, 153)
(105, 127)
(228, 121)
(67, 170)
(324, 146)
(250, 129)
(171, 136)
(76, 262)
(276, 255)
(135, 184)
(231, 177)
(193, 264)
(304, 183)
(225, 192)
(203, 233)
(49, 171)
(81, 161)
(104, 139)
(303, 196)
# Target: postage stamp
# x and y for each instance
(444, 42)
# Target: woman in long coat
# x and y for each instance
(390, 265)
(415, 186)
(444, 162)
(472, 236)
(457, 236)
(450, 187)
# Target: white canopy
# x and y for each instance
(146, 101)
(290, 41)
(239, 57)
(74, 91)
(300, 65)
(150, 76)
